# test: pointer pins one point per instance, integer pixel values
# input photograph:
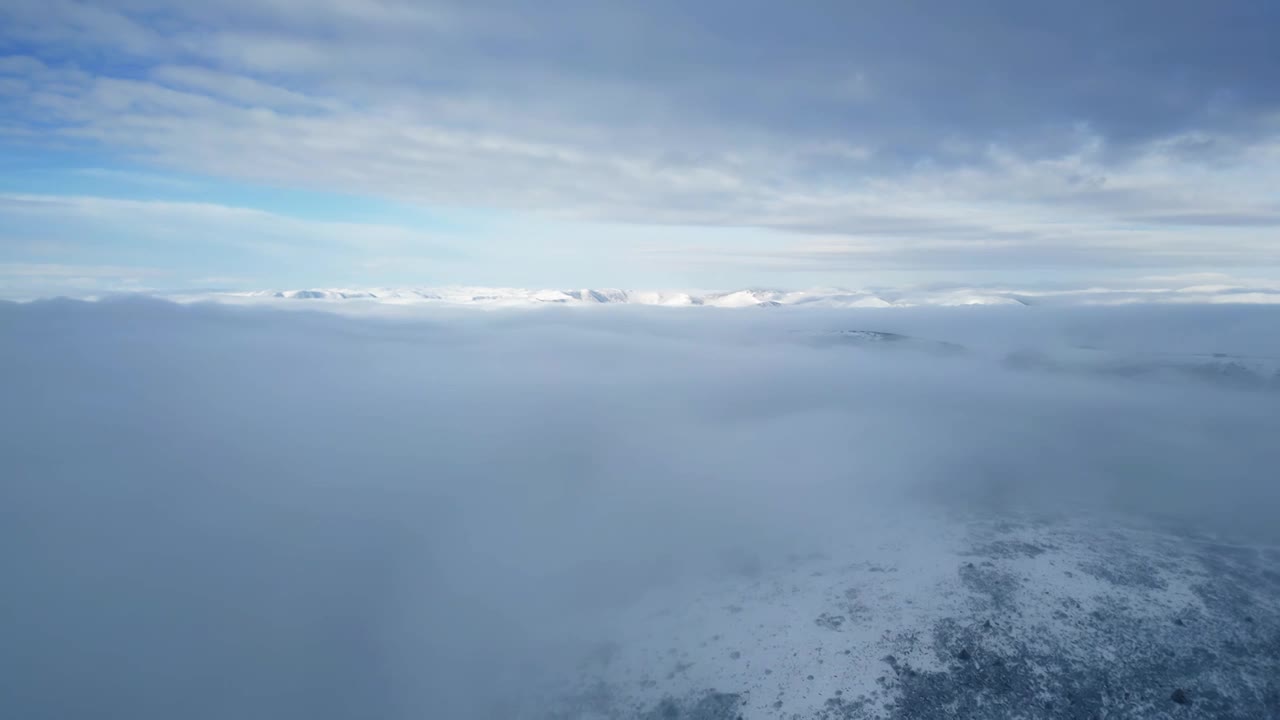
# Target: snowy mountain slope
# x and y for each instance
(969, 618)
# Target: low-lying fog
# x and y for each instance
(212, 512)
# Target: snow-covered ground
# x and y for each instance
(952, 616)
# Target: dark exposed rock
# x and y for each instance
(711, 705)
(1009, 549)
(829, 621)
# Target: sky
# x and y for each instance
(155, 145)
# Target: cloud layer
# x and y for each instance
(220, 511)
(933, 136)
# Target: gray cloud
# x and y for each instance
(983, 71)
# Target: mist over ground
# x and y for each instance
(216, 512)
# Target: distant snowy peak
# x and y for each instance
(512, 297)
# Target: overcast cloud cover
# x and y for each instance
(214, 512)
(659, 144)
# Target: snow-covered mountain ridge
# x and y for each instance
(818, 297)
(615, 296)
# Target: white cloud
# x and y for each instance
(358, 97)
(1154, 209)
(237, 89)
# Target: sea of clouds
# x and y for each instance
(213, 512)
